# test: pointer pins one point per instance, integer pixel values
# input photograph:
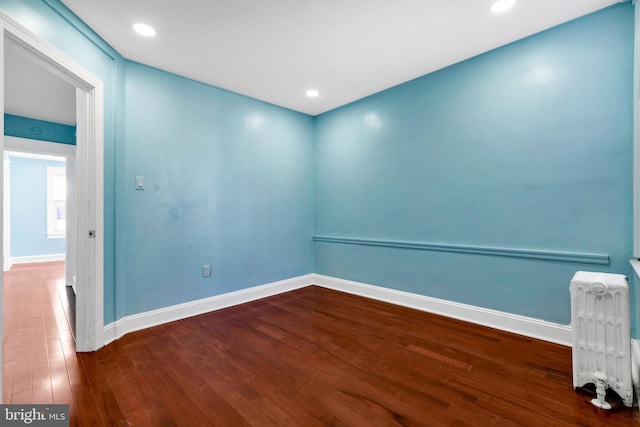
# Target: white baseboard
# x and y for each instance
(136, 322)
(36, 258)
(527, 326)
(521, 325)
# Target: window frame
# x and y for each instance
(54, 173)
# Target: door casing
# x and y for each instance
(89, 184)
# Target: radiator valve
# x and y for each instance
(600, 381)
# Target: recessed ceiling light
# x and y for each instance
(144, 29)
(499, 6)
(312, 93)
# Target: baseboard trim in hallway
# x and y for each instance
(521, 325)
(151, 318)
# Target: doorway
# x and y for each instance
(38, 198)
(88, 161)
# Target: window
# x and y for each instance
(56, 202)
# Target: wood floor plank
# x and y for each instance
(8, 373)
(311, 357)
(22, 397)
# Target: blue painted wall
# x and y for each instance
(41, 130)
(228, 182)
(28, 180)
(526, 147)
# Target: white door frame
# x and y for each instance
(6, 220)
(71, 229)
(89, 178)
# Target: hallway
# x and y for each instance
(39, 350)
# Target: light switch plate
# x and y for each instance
(139, 182)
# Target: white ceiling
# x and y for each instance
(274, 50)
(32, 91)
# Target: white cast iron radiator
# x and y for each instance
(601, 334)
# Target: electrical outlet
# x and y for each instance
(206, 270)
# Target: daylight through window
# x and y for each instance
(56, 202)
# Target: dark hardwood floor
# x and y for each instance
(310, 357)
